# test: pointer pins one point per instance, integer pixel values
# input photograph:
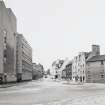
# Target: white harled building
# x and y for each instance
(79, 64)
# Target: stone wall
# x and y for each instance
(95, 72)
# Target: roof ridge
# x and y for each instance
(96, 58)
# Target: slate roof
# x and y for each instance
(97, 58)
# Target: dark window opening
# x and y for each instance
(5, 40)
(102, 75)
(5, 54)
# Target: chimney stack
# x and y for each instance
(95, 50)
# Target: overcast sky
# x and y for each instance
(60, 28)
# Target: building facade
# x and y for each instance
(24, 59)
(95, 69)
(78, 67)
(67, 72)
(8, 30)
(79, 63)
(56, 65)
(38, 71)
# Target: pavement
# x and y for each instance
(49, 92)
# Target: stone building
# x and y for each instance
(56, 68)
(24, 59)
(95, 69)
(95, 51)
(67, 72)
(79, 64)
(38, 71)
(8, 30)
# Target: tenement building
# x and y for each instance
(24, 59)
(78, 67)
(79, 71)
(8, 26)
(67, 71)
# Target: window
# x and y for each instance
(5, 35)
(89, 76)
(5, 59)
(79, 57)
(5, 54)
(5, 46)
(5, 39)
(102, 75)
(83, 78)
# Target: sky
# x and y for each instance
(60, 28)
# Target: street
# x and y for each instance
(49, 92)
